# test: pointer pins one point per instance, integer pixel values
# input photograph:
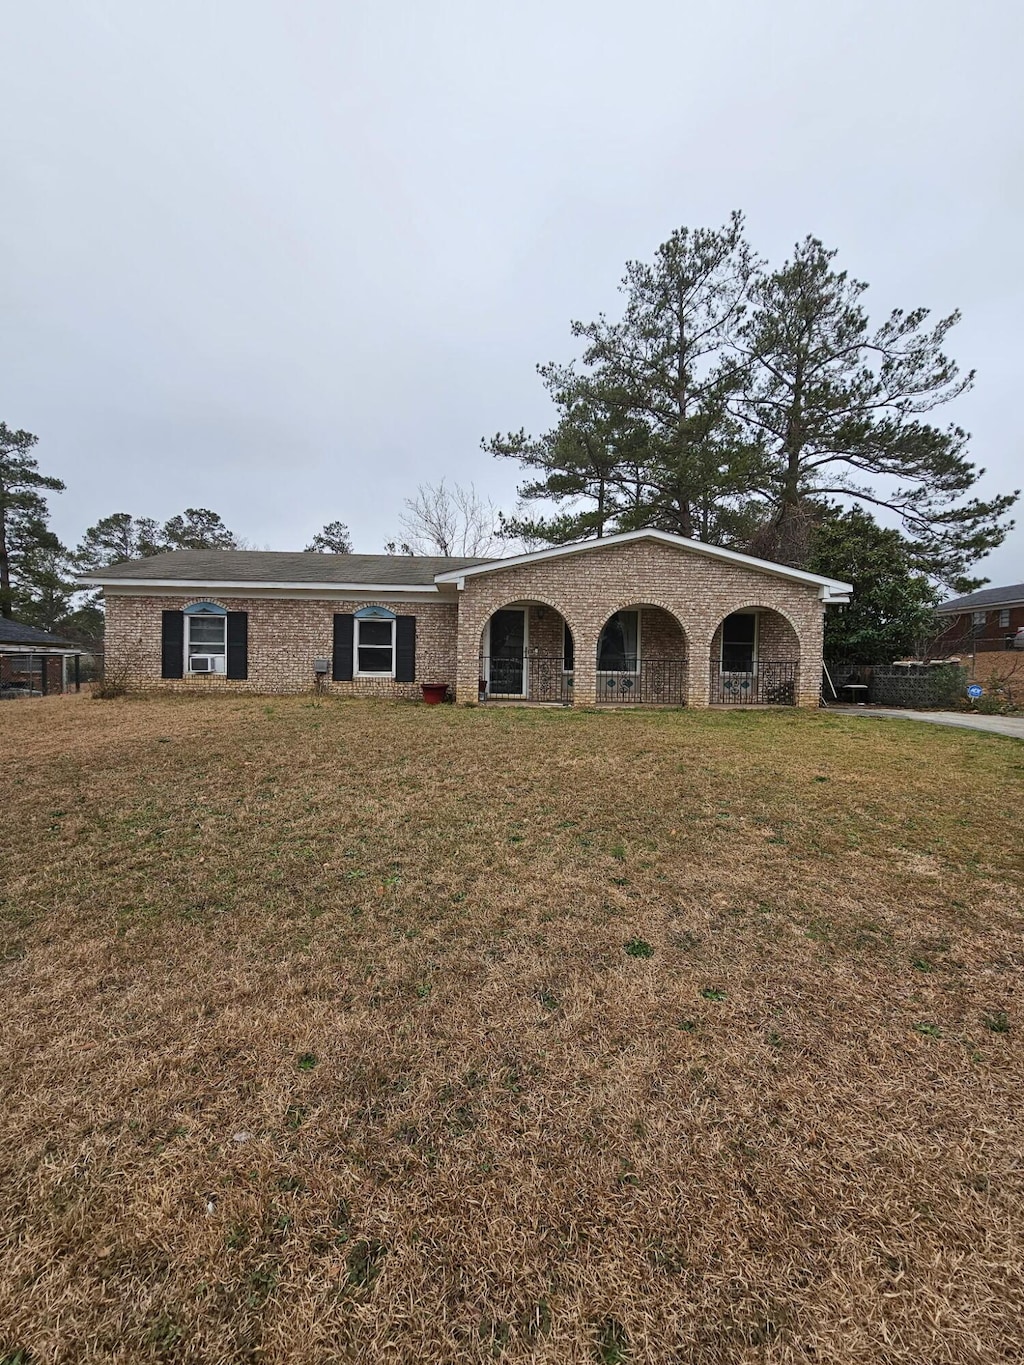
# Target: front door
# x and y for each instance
(508, 646)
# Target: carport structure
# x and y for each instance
(34, 662)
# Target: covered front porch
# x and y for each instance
(754, 660)
(528, 654)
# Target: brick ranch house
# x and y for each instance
(641, 617)
(987, 619)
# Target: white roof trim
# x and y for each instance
(832, 590)
(235, 584)
(50, 650)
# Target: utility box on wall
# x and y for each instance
(321, 667)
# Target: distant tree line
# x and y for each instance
(733, 403)
(37, 571)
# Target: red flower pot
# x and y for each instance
(434, 693)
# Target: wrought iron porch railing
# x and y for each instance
(769, 684)
(525, 679)
(650, 682)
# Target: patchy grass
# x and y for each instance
(320, 1042)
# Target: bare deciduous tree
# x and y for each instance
(447, 521)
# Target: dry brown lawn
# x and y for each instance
(352, 1031)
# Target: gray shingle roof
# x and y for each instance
(277, 566)
(14, 633)
(985, 597)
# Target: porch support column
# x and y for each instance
(584, 673)
(467, 661)
(698, 671)
(811, 639)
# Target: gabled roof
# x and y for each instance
(831, 589)
(1011, 596)
(275, 568)
(15, 633)
(209, 569)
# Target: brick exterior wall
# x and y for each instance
(698, 592)
(286, 634)
(683, 596)
(661, 635)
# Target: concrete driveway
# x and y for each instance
(1011, 726)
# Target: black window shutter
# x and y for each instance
(342, 661)
(238, 644)
(172, 645)
(405, 649)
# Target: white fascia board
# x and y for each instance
(210, 585)
(832, 589)
(49, 650)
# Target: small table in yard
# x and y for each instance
(858, 691)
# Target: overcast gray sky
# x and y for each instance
(288, 258)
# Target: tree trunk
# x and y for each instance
(5, 569)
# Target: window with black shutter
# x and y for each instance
(342, 662)
(172, 645)
(405, 649)
(238, 644)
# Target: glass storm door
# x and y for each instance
(508, 643)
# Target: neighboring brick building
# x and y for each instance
(642, 617)
(34, 662)
(984, 620)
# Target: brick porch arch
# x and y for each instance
(780, 642)
(656, 644)
(475, 611)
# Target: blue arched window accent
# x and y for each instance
(205, 609)
(374, 614)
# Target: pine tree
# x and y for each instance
(837, 407)
(116, 539)
(24, 517)
(334, 539)
(729, 401)
(197, 528)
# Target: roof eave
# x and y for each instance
(20, 647)
(233, 585)
(950, 609)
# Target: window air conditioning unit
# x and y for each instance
(202, 663)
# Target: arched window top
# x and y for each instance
(374, 614)
(205, 609)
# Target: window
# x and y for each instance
(619, 645)
(206, 627)
(739, 642)
(1004, 616)
(978, 620)
(375, 643)
(568, 649)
